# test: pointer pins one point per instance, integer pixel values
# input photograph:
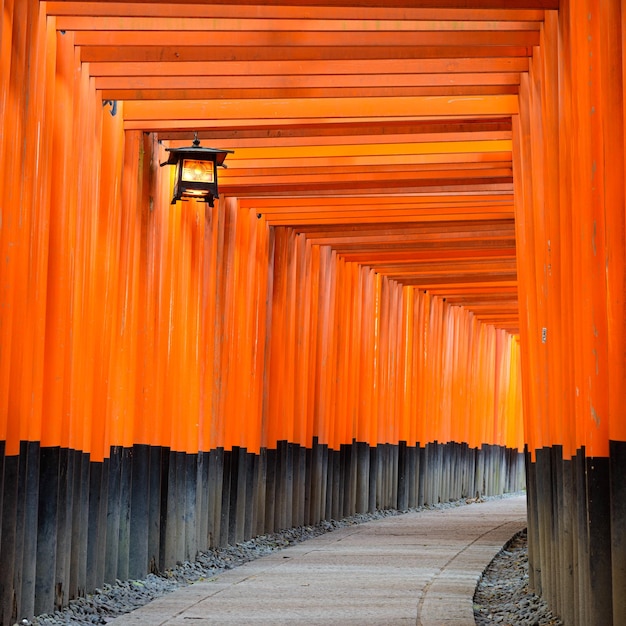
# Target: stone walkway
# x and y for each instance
(418, 568)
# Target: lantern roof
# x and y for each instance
(175, 154)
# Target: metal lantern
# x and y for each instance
(196, 171)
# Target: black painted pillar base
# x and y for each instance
(136, 485)
(618, 528)
(8, 530)
(599, 516)
(362, 477)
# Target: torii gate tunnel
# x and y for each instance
(411, 287)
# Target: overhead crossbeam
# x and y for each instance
(383, 132)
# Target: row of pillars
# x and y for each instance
(569, 163)
(577, 531)
(145, 508)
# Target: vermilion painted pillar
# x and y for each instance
(570, 220)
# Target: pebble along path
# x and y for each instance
(502, 595)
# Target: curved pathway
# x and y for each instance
(418, 568)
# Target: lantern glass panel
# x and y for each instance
(195, 171)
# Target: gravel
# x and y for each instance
(502, 596)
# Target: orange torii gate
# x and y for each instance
(415, 271)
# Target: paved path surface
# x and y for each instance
(418, 568)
